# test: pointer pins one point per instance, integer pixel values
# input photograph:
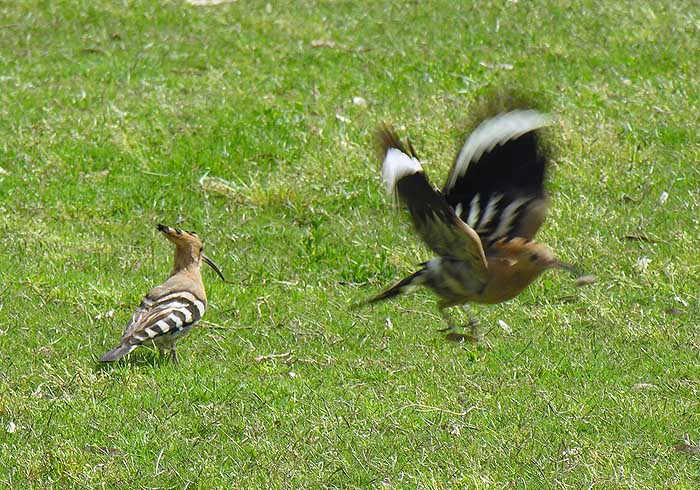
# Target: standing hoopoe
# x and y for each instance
(171, 309)
(482, 223)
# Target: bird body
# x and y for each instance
(482, 223)
(170, 310)
(510, 270)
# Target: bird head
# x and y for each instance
(542, 258)
(529, 256)
(189, 249)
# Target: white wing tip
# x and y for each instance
(508, 125)
(526, 120)
(397, 165)
(497, 130)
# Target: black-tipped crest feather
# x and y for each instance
(387, 138)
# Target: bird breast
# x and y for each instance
(507, 279)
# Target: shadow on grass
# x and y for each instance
(142, 357)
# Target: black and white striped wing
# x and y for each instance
(496, 184)
(171, 314)
(433, 218)
(138, 316)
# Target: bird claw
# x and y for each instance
(475, 334)
(472, 325)
(461, 338)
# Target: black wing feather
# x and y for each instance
(498, 189)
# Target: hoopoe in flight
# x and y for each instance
(482, 223)
(169, 310)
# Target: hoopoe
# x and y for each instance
(482, 223)
(169, 310)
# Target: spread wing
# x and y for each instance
(496, 184)
(433, 218)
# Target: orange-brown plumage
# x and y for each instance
(171, 309)
(482, 223)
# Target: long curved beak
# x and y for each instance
(581, 280)
(211, 264)
(555, 264)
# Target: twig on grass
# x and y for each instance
(286, 356)
(427, 408)
(160, 455)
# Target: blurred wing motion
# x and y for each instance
(432, 216)
(496, 184)
(482, 224)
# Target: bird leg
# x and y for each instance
(173, 355)
(475, 334)
(449, 319)
(474, 324)
(473, 321)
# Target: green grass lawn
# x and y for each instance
(238, 121)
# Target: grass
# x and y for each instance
(232, 121)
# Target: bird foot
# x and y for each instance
(461, 338)
(475, 330)
(473, 324)
(475, 334)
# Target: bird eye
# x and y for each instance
(534, 257)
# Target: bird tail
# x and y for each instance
(403, 286)
(117, 353)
